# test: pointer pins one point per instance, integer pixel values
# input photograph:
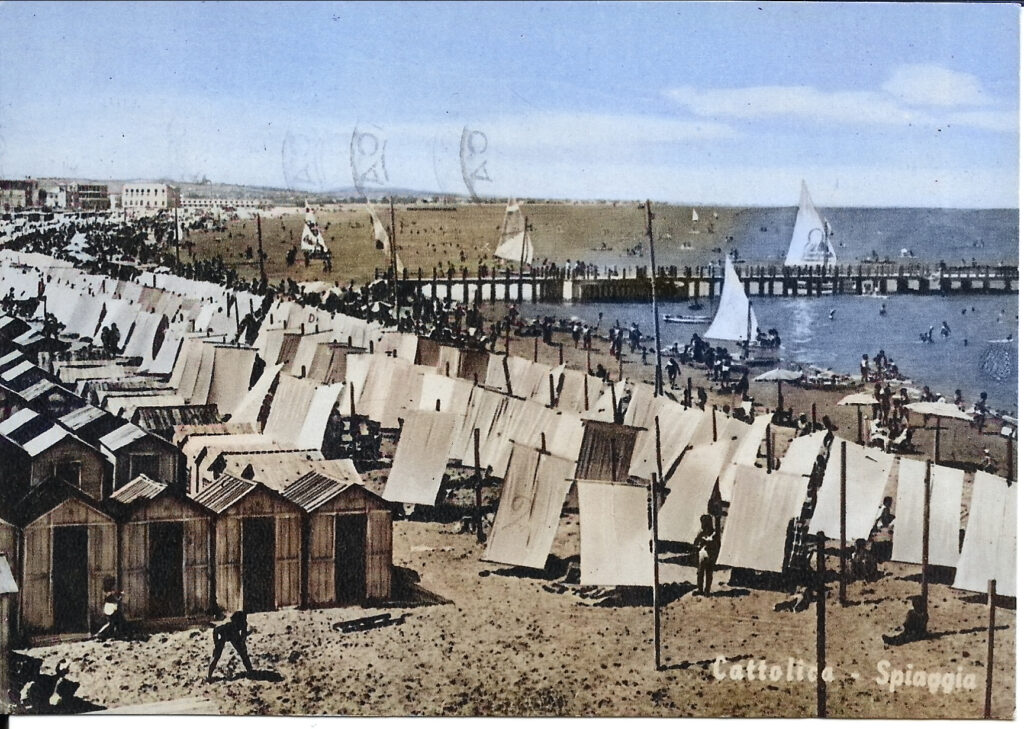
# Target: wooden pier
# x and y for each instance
(551, 284)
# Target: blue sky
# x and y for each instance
(730, 103)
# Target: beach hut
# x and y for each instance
(68, 559)
(257, 548)
(133, 452)
(166, 550)
(34, 448)
(346, 539)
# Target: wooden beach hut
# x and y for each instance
(257, 545)
(68, 558)
(346, 539)
(166, 551)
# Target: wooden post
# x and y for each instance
(659, 387)
(769, 456)
(437, 406)
(842, 523)
(561, 353)
(543, 443)
(394, 260)
(938, 427)
(620, 364)
(588, 360)
(779, 398)
(259, 243)
(508, 338)
(478, 478)
(508, 377)
(990, 660)
(925, 534)
(535, 349)
(551, 388)
(1009, 461)
(814, 414)
(860, 431)
(820, 662)
(586, 392)
(689, 392)
(714, 423)
(352, 398)
(652, 498)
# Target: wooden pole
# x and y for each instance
(769, 456)
(394, 258)
(352, 398)
(925, 534)
(652, 498)
(1009, 461)
(779, 398)
(586, 392)
(657, 447)
(860, 431)
(259, 243)
(551, 388)
(177, 243)
(689, 392)
(561, 353)
(938, 427)
(990, 659)
(842, 523)
(535, 349)
(522, 259)
(478, 478)
(589, 370)
(659, 387)
(820, 663)
(508, 376)
(714, 423)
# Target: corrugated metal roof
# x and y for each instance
(81, 417)
(18, 369)
(17, 420)
(10, 359)
(278, 469)
(314, 490)
(140, 488)
(46, 496)
(29, 337)
(41, 388)
(118, 439)
(224, 492)
(49, 437)
(168, 417)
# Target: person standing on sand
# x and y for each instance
(234, 632)
(915, 625)
(708, 543)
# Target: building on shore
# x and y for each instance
(151, 196)
(221, 203)
(19, 194)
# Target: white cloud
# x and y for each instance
(915, 94)
(923, 84)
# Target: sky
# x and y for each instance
(912, 104)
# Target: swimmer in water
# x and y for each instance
(882, 312)
(946, 330)
(832, 314)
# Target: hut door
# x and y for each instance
(258, 553)
(71, 579)
(350, 558)
(166, 560)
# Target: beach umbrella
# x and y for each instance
(859, 400)
(779, 376)
(938, 410)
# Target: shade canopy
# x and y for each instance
(939, 410)
(779, 375)
(859, 398)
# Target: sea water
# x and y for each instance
(975, 358)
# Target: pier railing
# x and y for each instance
(581, 282)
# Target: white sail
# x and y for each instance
(731, 320)
(381, 237)
(312, 239)
(695, 217)
(810, 243)
(514, 243)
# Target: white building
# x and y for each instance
(220, 203)
(141, 196)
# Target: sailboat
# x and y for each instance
(695, 217)
(514, 244)
(810, 244)
(735, 320)
(312, 241)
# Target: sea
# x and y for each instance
(979, 355)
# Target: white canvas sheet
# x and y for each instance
(615, 536)
(421, 457)
(232, 370)
(678, 424)
(990, 541)
(762, 506)
(867, 471)
(289, 407)
(248, 408)
(746, 454)
(803, 452)
(311, 435)
(689, 488)
(944, 516)
(524, 528)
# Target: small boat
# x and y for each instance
(810, 243)
(695, 306)
(696, 319)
